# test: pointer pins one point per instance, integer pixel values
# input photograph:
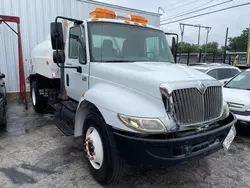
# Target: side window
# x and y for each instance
(224, 74)
(73, 42)
(213, 73)
(234, 72)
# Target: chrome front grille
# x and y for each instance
(192, 107)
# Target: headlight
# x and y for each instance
(148, 125)
(248, 110)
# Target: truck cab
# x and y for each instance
(113, 80)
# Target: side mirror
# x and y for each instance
(56, 33)
(173, 46)
(59, 56)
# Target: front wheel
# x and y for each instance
(102, 157)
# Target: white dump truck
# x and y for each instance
(113, 81)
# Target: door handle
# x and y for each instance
(68, 64)
(79, 69)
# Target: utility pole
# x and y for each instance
(182, 33)
(199, 35)
(199, 32)
(208, 30)
(225, 47)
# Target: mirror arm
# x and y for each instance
(177, 36)
(78, 68)
(176, 47)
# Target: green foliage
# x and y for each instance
(211, 47)
(184, 47)
(239, 43)
(194, 48)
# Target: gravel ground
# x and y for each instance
(34, 153)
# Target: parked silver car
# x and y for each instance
(221, 72)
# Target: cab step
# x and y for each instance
(66, 116)
(70, 105)
(66, 129)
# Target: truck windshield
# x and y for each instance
(241, 81)
(114, 42)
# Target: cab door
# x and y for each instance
(76, 80)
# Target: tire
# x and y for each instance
(111, 166)
(2, 114)
(37, 104)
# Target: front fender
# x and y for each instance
(111, 100)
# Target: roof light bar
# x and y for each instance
(105, 13)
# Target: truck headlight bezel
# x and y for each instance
(226, 111)
(144, 125)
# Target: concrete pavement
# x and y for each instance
(34, 153)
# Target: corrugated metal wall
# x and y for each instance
(35, 16)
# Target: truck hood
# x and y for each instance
(147, 77)
(237, 98)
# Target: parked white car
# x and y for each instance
(237, 94)
(219, 71)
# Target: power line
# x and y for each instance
(180, 15)
(187, 11)
(183, 5)
(227, 8)
(181, 1)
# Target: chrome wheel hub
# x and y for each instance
(33, 96)
(94, 148)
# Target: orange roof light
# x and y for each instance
(105, 13)
(102, 13)
(94, 19)
(139, 19)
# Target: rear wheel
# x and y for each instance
(102, 157)
(37, 104)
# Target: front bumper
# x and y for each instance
(171, 148)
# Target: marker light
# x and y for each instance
(102, 13)
(105, 13)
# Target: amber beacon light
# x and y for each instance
(109, 14)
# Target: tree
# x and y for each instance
(211, 47)
(239, 43)
(195, 48)
(184, 47)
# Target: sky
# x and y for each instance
(235, 19)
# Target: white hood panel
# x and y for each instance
(147, 77)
